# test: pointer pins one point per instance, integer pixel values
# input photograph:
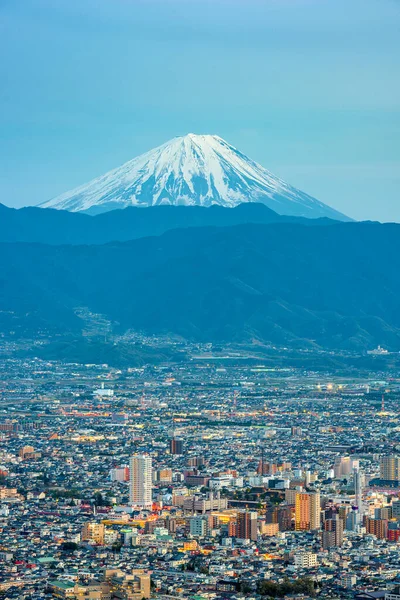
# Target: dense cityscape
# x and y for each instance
(212, 478)
(199, 300)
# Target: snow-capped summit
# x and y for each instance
(191, 170)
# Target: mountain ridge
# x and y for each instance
(330, 287)
(32, 224)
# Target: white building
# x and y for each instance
(305, 560)
(348, 580)
(119, 474)
(394, 594)
(103, 392)
(217, 483)
(140, 482)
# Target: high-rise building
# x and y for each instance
(198, 526)
(246, 525)
(281, 515)
(176, 446)
(170, 523)
(396, 509)
(307, 511)
(232, 528)
(384, 512)
(390, 468)
(140, 481)
(290, 496)
(343, 511)
(393, 531)
(332, 536)
(302, 511)
(353, 520)
(377, 527)
(315, 510)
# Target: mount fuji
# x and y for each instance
(200, 170)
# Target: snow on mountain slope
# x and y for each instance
(191, 170)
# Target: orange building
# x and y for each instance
(307, 511)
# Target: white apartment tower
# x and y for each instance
(140, 483)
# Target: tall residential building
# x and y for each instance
(377, 527)
(170, 523)
(198, 526)
(353, 521)
(246, 525)
(332, 536)
(396, 509)
(343, 512)
(281, 515)
(176, 446)
(140, 487)
(290, 496)
(393, 531)
(384, 512)
(390, 468)
(307, 511)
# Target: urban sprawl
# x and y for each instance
(205, 480)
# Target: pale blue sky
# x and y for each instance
(308, 88)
